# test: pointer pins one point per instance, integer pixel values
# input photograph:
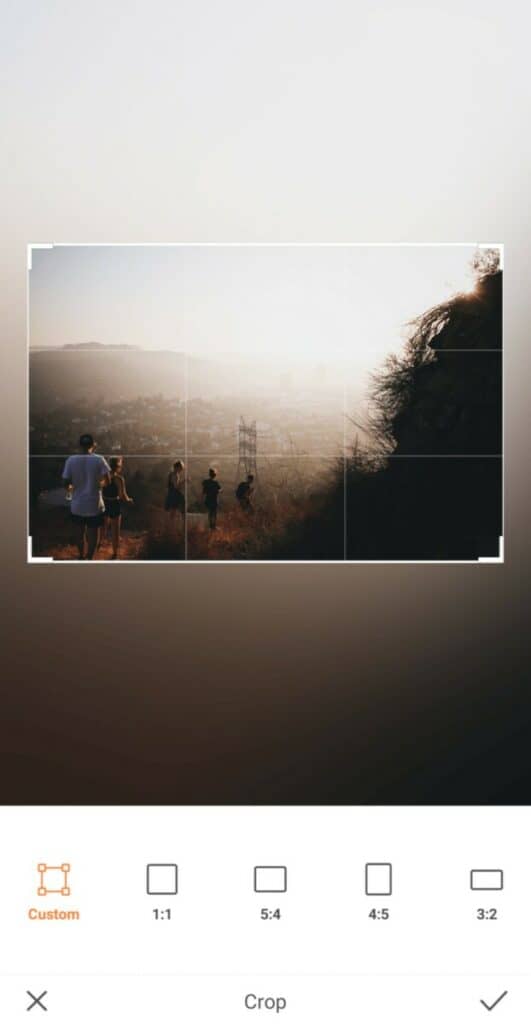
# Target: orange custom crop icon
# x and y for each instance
(54, 880)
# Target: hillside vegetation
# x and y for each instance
(428, 483)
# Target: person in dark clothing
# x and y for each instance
(244, 494)
(115, 495)
(175, 501)
(211, 489)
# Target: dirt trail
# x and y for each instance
(130, 549)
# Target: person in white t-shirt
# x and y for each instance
(84, 476)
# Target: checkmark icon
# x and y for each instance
(498, 1000)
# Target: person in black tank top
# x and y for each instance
(211, 490)
(175, 500)
(114, 495)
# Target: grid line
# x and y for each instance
(159, 457)
(184, 355)
(186, 396)
(345, 498)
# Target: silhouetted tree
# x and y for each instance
(436, 416)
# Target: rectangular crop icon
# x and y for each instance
(486, 880)
(378, 879)
(270, 879)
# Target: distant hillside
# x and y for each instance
(81, 346)
(85, 372)
(97, 345)
(92, 372)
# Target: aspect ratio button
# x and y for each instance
(275, 1003)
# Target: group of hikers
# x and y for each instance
(210, 488)
(97, 493)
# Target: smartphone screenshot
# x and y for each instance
(265, 718)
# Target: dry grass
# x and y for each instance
(239, 536)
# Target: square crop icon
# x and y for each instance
(162, 879)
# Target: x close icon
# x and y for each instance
(37, 1001)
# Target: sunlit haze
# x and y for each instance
(321, 304)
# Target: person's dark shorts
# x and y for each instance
(113, 509)
(91, 522)
(174, 499)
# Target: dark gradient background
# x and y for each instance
(273, 684)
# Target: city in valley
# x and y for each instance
(152, 409)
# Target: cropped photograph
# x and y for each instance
(265, 403)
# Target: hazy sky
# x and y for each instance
(283, 303)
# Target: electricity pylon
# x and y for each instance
(247, 450)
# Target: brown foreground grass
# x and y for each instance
(269, 533)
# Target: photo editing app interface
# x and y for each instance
(254, 913)
(265, 403)
(233, 404)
